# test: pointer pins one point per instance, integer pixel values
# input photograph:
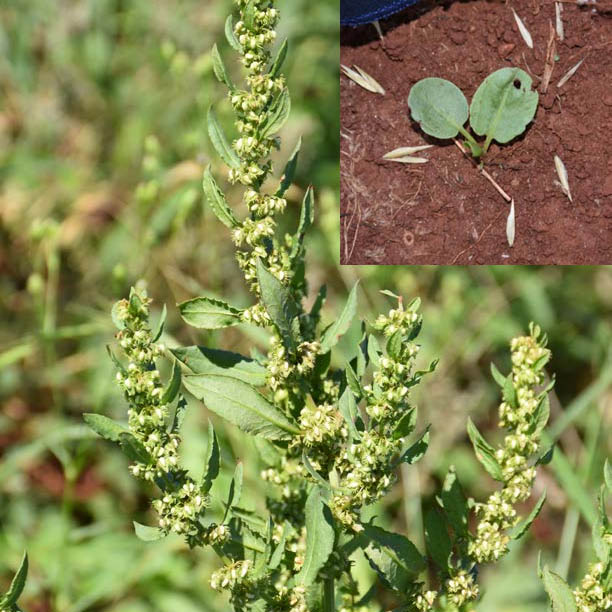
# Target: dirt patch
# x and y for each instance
(444, 211)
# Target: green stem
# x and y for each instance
(329, 595)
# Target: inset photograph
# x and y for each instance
(472, 133)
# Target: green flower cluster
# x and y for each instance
(592, 596)
(367, 464)
(522, 413)
(461, 588)
(153, 447)
(255, 32)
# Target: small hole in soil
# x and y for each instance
(517, 83)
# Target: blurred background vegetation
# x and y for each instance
(102, 146)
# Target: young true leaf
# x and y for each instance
(454, 503)
(394, 557)
(319, 538)
(521, 529)
(171, 391)
(503, 105)
(332, 334)
(219, 68)
(9, 601)
(105, 427)
(484, 452)
(216, 200)
(438, 106)
(211, 463)
(277, 64)
(148, 534)
(204, 360)
(289, 172)
(241, 405)
(559, 592)
(278, 113)
(219, 141)
(208, 313)
(279, 304)
(418, 449)
(439, 544)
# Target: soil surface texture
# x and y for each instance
(444, 211)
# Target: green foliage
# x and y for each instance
(320, 537)
(9, 600)
(438, 106)
(501, 108)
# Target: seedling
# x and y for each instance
(502, 106)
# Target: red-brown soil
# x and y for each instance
(444, 211)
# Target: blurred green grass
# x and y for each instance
(83, 84)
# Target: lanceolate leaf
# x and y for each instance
(438, 106)
(277, 555)
(231, 37)
(211, 463)
(348, 409)
(105, 427)
(17, 585)
(394, 557)
(204, 360)
(235, 490)
(219, 141)
(216, 200)
(503, 105)
(539, 418)
(521, 529)
(289, 172)
(171, 391)
(133, 448)
(160, 326)
(417, 450)
(438, 541)
(278, 113)
(454, 503)
(509, 392)
(219, 68)
(319, 538)
(208, 313)
(279, 59)
(559, 592)
(500, 379)
(306, 220)
(278, 303)
(332, 334)
(241, 405)
(148, 534)
(406, 424)
(484, 452)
